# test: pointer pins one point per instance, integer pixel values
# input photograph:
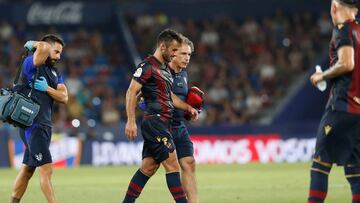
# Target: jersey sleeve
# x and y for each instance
(343, 36)
(29, 68)
(142, 73)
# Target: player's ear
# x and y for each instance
(356, 10)
(162, 47)
(333, 7)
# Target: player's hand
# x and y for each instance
(41, 84)
(131, 130)
(316, 77)
(194, 114)
(29, 45)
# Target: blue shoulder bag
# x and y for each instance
(16, 108)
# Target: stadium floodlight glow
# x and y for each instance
(75, 123)
(109, 136)
(91, 123)
(96, 101)
(286, 42)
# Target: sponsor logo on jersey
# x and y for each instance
(138, 72)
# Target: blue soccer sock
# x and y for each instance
(136, 185)
(174, 185)
(352, 174)
(319, 182)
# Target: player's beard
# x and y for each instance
(50, 62)
(167, 57)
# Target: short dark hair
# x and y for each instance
(51, 38)
(348, 3)
(168, 36)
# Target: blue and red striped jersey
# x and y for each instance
(156, 80)
(345, 89)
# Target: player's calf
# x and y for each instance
(175, 187)
(136, 185)
(319, 181)
(147, 169)
(46, 172)
(21, 183)
(172, 169)
(352, 174)
(188, 178)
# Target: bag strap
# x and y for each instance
(20, 69)
(33, 82)
(16, 80)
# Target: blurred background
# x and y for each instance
(252, 59)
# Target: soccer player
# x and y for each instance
(183, 144)
(153, 78)
(49, 87)
(338, 136)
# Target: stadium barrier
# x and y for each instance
(66, 151)
(209, 149)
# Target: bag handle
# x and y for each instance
(16, 80)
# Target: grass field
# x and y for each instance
(251, 183)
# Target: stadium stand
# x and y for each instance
(245, 67)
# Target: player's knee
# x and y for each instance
(45, 171)
(172, 166)
(149, 170)
(29, 172)
(188, 164)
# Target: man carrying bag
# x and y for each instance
(38, 71)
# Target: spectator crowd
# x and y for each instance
(244, 67)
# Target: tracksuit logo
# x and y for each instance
(38, 157)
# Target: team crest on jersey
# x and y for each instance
(138, 72)
(327, 129)
(54, 73)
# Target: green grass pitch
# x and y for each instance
(251, 183)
